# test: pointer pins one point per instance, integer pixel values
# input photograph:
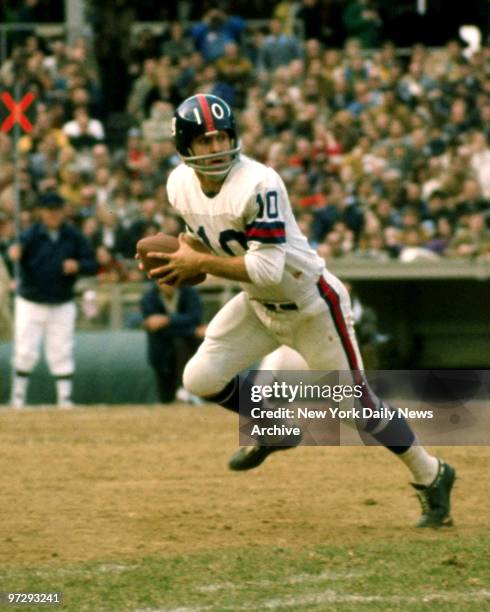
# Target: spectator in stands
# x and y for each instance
(278, 49)
(210, 82)
(144, 47)
(51, 255)
(187, 74)
(441, 235)
(311, 13)
(158, 126)
(82, 130)
(381, 125)
(58, 58)
(71, 185)
(286, 12)
(111, 269)
(162, 89)
(470, 199)
(416, 84)
(214, 31)
(478, 224)
(458, 122)
(109, 236)
(463, 245)
(103, 185)
(235, 70)
(361, 20)
(45, 161)
(141, 87)
(484, 112)
(435, 208)
(165, 158)
(44, 126)
(170, 318)
(372, 245)
(176, 43)
(148, 215)
(135, 150)
(338, 209)
(414, 245)
(480, 161)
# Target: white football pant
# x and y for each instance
(53, 323)
(244, 331)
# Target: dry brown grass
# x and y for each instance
(109, 483)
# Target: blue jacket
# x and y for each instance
(211, 42)
(41, 265)
(183, 322)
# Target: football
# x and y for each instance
(165, 243)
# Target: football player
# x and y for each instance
(239, 208)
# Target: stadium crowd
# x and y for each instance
(385, 155)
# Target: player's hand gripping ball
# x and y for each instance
(164, 243)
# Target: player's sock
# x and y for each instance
(229, 397)
(397, 436)
(424, 467)
(394, 433)
(19, 389)
(64, 386)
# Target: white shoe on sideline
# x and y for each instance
(66, 405)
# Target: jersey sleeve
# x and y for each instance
(265, 231)
(266, 211)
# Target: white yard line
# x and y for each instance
(180, 609)
(333, 597)
(295, 579)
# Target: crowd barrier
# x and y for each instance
(436, 312)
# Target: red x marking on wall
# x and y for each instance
(17, 111)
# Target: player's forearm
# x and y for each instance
(232, 268)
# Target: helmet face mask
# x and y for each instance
(204, 114)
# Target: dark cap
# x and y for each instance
(51, 200)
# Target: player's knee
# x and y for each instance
(199, 380)
(60, 365)
(25, 361)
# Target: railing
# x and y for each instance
(117, 305)
(435, 311)
(355, 268)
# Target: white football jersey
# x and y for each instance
(251, 211)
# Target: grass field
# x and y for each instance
(133, 508)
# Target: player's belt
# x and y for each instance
(280, 306)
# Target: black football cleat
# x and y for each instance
(250, 457)
(435, 499)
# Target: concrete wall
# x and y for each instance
(111, 369)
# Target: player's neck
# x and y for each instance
(209, 186)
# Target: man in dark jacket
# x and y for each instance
(51, 254)
(170, 317)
